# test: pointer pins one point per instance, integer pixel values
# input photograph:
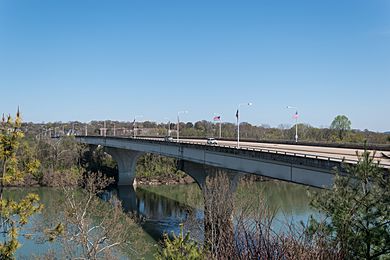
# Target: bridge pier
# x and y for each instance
(127, 161)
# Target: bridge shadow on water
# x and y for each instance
(158, 213)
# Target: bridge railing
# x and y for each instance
(234, 149)
(357, 146)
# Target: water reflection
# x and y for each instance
(160, 214)
(165, 207)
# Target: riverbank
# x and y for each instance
(163, 180)
(186, 179)
(55, 179)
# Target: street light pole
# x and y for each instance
(169, 126)
(134, 128)
(296, 121)
(178, 124)
(238, 121)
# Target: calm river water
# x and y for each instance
(163, 208)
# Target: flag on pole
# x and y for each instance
(237, 114)
(295, 116)
(217, 118)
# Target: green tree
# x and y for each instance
(358, 208)
(341, 124)
(13, 214)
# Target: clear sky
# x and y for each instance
(63, 60)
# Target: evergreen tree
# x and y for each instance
(13, 214)
(358, 210)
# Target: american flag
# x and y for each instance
(217, 118)
(295, 116)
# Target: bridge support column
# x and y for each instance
(127, 161)
(218, 187)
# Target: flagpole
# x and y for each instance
(296, 127)
(296, 122)
(220, 128)
(238, 127)
(218, 117)
(238, 122)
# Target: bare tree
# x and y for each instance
(218, 211)
(252, 234)
(92, 229)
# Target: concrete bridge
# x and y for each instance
(313, 166)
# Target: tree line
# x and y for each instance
(340, 130)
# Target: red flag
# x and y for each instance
(295, 116)
(217, 118)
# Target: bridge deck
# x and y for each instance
(349, 155)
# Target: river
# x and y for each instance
(164, 208)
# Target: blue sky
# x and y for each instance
(91, 59)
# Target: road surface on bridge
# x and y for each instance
(336, 154)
